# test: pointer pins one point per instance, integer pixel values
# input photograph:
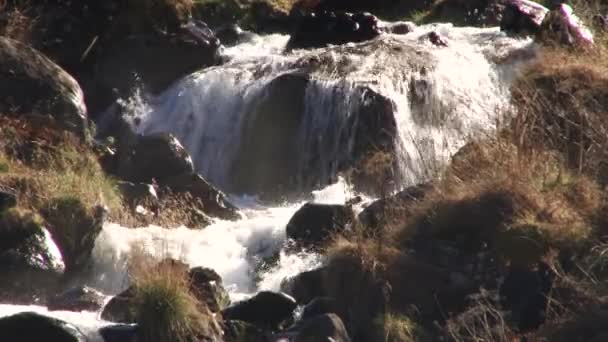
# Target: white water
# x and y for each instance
(465, 87)
(460, 95)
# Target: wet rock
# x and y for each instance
(313, 224)
(152, 158)
(266, 162)
(325, 28)
(328, 327)
(118, 309)
(33, 327)
(214, 201)
(29, 263)
(401, 27)
(119, 333)
(320, 306)
(133, 61)
(33, 84)
(561, 26)
(239, 331)
(305, 286)
(267, 310)
(81, 298)
(206, 285)
(436, 39)
(523, 17)
(232, 34)
(395, 207)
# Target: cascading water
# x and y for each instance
(440, 97)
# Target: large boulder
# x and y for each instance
(152, 158)
(119, 308)
(325, 28)
(266, 162)
(33, 84)
(161, 159)
(80, 298)
(392, 209)
(563, 27)
(33, 327)
(133, 61)
(314, 224)
(305, 286)
(206, 285)
(266, 310)
(523, 17)
(29, 261)
(214, 201)
(327, 327)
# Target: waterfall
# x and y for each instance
(441, 97)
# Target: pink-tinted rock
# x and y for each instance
(562, 26)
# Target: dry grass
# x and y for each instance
(165, 309)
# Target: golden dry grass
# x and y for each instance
(165, 309)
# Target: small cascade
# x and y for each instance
(300, 108)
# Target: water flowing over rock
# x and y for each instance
(33, 84)
(275, 123)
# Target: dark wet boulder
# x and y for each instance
(161, 159)
(314, 224)
(33, 84)
(33, 327)
(80, 298)
(239, 331)
(119, 308)
(206, 285)
(335, 28)
(562, 26)
(266, 163)
(392, 209)
(305, 286)
(133, 61)
(119, 333)
(328, 327)
(320, 306)
(29, 262)
(214, 201)
(152, 158)
(401, 27)
(266, 310)
(436, 39)
(523, 17)
(232, 34)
